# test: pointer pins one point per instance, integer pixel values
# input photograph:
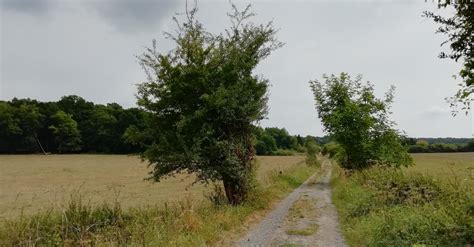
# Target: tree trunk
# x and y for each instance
(39, 143)
(235, 191)
(237, 188)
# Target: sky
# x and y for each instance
(52, 48)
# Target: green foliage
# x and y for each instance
(277, 141)
(359, 122)
(385, 207)
(19, 122)
(65, 131)
(9, 126)
(265, 143)
(282, 138)
(422, 143)
(424, 147)
(459, 29)
(312, 151)
(205, 99)
(25, 126)
(470, 145)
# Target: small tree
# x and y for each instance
(204, 100)
(359, 122)
(65, 131)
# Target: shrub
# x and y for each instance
(385, 207)
(312, 151)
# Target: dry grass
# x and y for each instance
(445, 166)
(32, 183)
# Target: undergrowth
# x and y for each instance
(386, 207)
(184, 223)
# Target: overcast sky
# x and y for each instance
(52, 48)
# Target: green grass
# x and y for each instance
(307, 231)
(291, 245)
(382, 207)
(182, 223)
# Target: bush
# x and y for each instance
(385, 207)
(312, 151)
(333, 150)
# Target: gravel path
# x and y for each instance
(272, 230)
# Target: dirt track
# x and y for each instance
(306, 217)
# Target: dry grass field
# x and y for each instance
(31, 183)
(445, 166)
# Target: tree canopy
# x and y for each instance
(30, 126)
(359, 122)
(65, 131)
(204, 101)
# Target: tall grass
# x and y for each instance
(184, 223)
(384, 207)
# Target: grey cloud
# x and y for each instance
(27, 6)
(135, 15)
(77, 52)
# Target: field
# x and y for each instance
(445, 166)
(32, 183)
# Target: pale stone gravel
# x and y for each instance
(272, 229)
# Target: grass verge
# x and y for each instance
(307, 231)
(186, 223)
(382, 207)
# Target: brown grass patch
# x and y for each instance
(32, 183)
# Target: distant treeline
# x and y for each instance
(440, 145)
(69, 125)
(277, 141)
(74, 125)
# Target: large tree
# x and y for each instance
(459, 28)
(359, 122)
(204, 99)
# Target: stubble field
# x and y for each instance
(33, 183)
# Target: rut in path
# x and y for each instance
(306, 217)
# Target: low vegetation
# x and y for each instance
(182, 223)
(386, 207)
